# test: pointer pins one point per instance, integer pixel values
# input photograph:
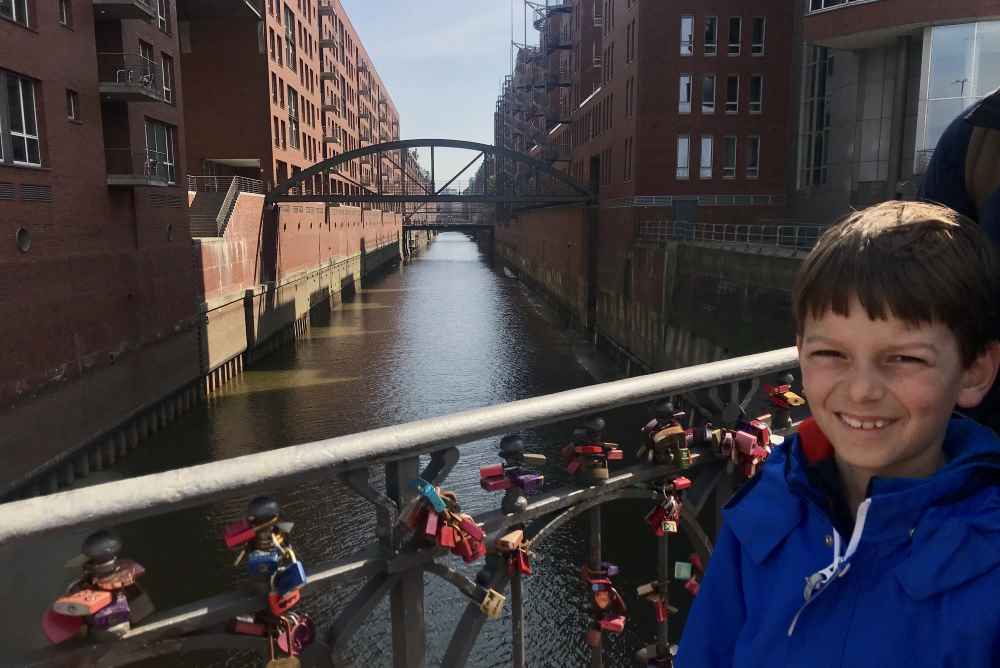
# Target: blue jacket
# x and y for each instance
(916, 584)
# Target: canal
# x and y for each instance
(444, 333)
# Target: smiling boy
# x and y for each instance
(873, 537)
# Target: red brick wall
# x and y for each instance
(891, 14)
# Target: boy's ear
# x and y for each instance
(978, 378)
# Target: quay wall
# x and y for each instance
(255, 287)
(657, 304)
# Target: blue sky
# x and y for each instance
(443, 62)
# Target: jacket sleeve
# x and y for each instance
(719, 610)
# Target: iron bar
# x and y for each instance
(407, 597)
(161, 493)
(594, 563)
(517, 618)
(445, 186)
(663, 577)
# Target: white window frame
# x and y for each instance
(758, 106)
(757, 48)
(753, 142)
(707, 150)
(684, 105)
(683, 160)
(733, 48)
(735, 109)
(687, 49)
(163, 16)
(167, 75)
(712, 48)
(65, 14)
(170, 138)
(22, 135)
(72, 105)
(293, 118)
(19, 12)
(729, 169)
(708, 107)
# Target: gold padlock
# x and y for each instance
(290, 661)
(492, 605)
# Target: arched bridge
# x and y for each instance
(390, 174)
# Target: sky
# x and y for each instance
(443, 62)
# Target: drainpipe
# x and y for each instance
(899, 105)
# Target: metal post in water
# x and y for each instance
(594, 562)
(663, 576)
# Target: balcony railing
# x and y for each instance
(129, 77)
(221, 184)
(119, 10)
(820, 6)
(794, 237)
(127, 168)
(390, 564)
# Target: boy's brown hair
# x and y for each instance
(916, 261)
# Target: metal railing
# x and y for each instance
(799, 237)
(216, 184)
(822, 6)
(389, 565)
(124, 162)
(129, 71)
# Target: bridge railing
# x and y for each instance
(793, 236)
(389, 565)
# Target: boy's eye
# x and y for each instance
(905, 359)
(826, 354)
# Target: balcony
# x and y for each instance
(865, 24)
(333, 44)
(331, 139)
(188, 10)
(121, 10)
(326, 8)
(329, 76)
(127, 168)
(128, 77)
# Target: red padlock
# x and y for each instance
(680, 483)
(496, 484)
(470, 527)
(492, 471)
(613, 624)
(446, 537)
(431, 525)
(279, 605)
(661, 611)
(239, 533)
(693, 586)
(589, 450)
(615, 455)
(82, 603)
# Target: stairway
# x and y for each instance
(204, 211)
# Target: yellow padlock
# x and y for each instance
(492, 605)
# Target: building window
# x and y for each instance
(19, 121)
(65, 13)
(708, 94)
(277, 132)
(167, 66)
(290, 56)
(274, 88)
(281, 54)
(72, 105)
(160, 150)
(735, 33)
(963, 67)
(817, 96)
(270, 34)
(711, 35)
(729, 157)
(753, 156)
(732, 94)
(281, 93)
(15, 10)
(684, 105)
(756, 93)
(705, 168)
(628, 159)
(163, 16)
(817, 5)
(757, 36)
(687, 35)
(284, 142)
(683, 157)
(293, 117)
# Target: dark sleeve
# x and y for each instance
(944, 181)
(718, 614)
(989, 217)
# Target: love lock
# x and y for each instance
(492, 604)
(289, 661)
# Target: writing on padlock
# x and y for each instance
(492, 604)
(589, 453)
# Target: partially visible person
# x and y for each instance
(964, 174)
(871, 539)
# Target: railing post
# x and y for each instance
(517, 618)
(594, 563)
(407, 598)
(663, 577)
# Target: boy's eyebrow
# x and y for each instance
(908, 345)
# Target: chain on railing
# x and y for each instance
(680, 469)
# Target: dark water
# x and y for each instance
(442, 334)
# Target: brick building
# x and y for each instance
(876, 84)
(96, 271)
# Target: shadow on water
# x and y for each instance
(441, 334)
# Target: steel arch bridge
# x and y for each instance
(390, 175)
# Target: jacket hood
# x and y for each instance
(952, 517)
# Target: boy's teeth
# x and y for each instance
(859, 424)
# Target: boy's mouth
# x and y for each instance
(863, 423)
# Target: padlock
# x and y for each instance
(470, 527)
(125, 574)
(727, 443)
(613, 624)
(692, 586)
(648, 588)
(289, 578)
(496, 484)
(279, 604)
(599, 471)
(682, 570)
(431, 524)
(696, 562)
(238, 533)
(112, 615)
(655, 519)
(302, 634)
(669, 526)
(289, 661)
(429, 492)
(466, 550)
(574, 466)
(246, 626)
(683, 458)
(60, 628)
(510, 541)
(491, 471)
(589, 450)
(263, 562)
(533, 458)
(446, 537)
(519, 563)
(492, 604)
(760, 429)
(661, 610)
(680, 483)
(615, 455)
(745, 442)
(530, 482)
(82, 603)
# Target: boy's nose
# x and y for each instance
(865, 386)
